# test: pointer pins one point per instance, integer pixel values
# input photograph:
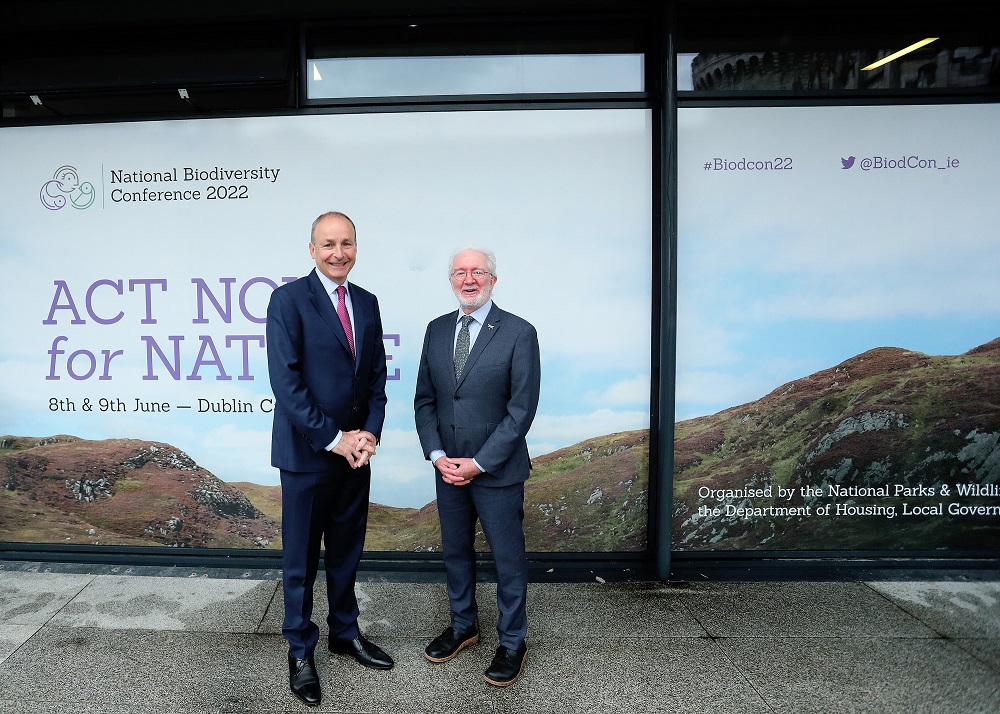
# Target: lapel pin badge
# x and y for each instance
(490, 326)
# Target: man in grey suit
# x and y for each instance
(476, 396)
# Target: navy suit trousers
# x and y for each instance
(500, 510)
(331, 506)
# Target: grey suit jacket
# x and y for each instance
(485, 413)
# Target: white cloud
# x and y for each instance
(628, 392)
(706, 392)
(567, 429)
(399, 458)
(704, 343)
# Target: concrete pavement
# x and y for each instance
(118, 641)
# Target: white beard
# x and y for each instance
(476, 302)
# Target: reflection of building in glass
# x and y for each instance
(841, 69)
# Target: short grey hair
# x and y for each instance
(491, 259)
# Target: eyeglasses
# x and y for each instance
(477, 274)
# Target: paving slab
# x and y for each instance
(35, 707)
(797, 609)
(13, 636)
(642, 610)
(163, 671)
(954, 609)
(985, 650)
(865, 674)
(161, 603)
(684, 675)
(34, 598)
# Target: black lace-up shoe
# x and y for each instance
(449, 643)
(506, 666)
(365, 652)
(303, 680)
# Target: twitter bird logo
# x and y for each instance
(847, 163)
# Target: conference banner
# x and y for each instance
(838, 342)
(139, 258)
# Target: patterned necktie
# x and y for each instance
(462, 345)
(345, 318)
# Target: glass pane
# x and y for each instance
(685, 80)
(931, 67)
(837, 320)
(160, 374)
(335, 78)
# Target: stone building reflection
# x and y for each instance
(841, 69)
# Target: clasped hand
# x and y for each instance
(458, 471)
(356, 446)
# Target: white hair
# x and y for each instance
(491, 259)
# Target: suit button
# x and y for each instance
(453, 427)
(457, 397)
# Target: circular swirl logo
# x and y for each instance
(65, 188)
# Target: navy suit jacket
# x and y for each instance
(317, 389)
(485, 413)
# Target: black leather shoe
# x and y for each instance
(449, 643)
(303, 680)
(365, 652)
(506, 666)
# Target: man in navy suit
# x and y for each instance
(476, 396)
(326, 361)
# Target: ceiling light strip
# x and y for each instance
(896, 55)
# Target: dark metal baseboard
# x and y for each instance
(543, 567)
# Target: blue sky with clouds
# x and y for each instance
(786, 272)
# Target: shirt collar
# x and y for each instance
(330, 285)
(479, 315)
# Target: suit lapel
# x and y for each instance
(445, 343)
(324, 306)
(363, 319)
(486, 333)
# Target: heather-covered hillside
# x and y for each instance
(870, 437)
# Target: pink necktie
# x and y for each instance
(345, 319)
